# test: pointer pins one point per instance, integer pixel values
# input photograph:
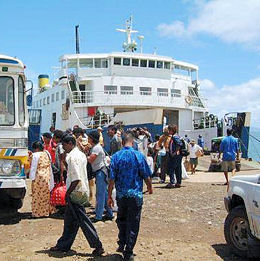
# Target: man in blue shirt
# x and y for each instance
(128, 169)
(229, 148)
(201, 141)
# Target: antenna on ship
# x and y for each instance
(141, 38)
(77, 38)
(129, 45)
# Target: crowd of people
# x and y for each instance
(80, 160)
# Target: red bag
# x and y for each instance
(58, 194)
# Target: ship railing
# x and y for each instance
(93, 122)
(96, 98)
(205, 123)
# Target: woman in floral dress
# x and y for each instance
(42, 182)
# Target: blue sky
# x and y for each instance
(221, 36)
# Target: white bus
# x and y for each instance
(13, 132)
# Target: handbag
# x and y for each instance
(58, 194)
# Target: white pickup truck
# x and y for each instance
(242, 224)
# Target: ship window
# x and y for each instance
(57, 96)
(97, 63)
(127, 90)
(110, 89)
(62, 95)
(86, 63)
(175, 93)
(40, 102)
(104, 63)
(145, 90)
(117, 60)
(52, 97)
(126, 61)
(167, 65)
(143, 63)
(159, 64)
(162, 91)
(72, 63)
(44, 101)
(135, 62)
(151, 64)
(48, 100)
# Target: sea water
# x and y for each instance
(254, 145)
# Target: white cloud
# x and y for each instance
(231, 98)
(233, 21)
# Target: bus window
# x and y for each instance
(21, 101)
(6, 100)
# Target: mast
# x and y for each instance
(77, 38)
(129, 45)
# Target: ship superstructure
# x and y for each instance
(135, 88)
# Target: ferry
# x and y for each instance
(129, 87)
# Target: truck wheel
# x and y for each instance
(236, 230)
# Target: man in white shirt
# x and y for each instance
(75, 214)
(194, 149)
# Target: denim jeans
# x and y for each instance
(164, 166)
(75, 217)
(174, 167)
(128, 222)
(102, 195)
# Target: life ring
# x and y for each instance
(188, 99)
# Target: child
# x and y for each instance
(150, 159)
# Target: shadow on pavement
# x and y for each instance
(13, 218)
(71, 253)
(223, 251)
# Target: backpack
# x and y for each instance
(183, 147)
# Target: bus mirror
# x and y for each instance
(29, 100)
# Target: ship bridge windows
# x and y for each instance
(126, 61)
(143, 63)
(57, 96)
(86, 63)
(162, 92)
(135, 62)
(145, 90)
(159, 64)
(72, 63)
(127, 90)
(175, 93)
(48, 100)
(167, 65)
(117, 61)
(182, 70)
(44, 101)
(104, 63)
(100, 63)
(52, 97)
(151, 64)
(110, 89)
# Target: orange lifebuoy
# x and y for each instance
(188, 99)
